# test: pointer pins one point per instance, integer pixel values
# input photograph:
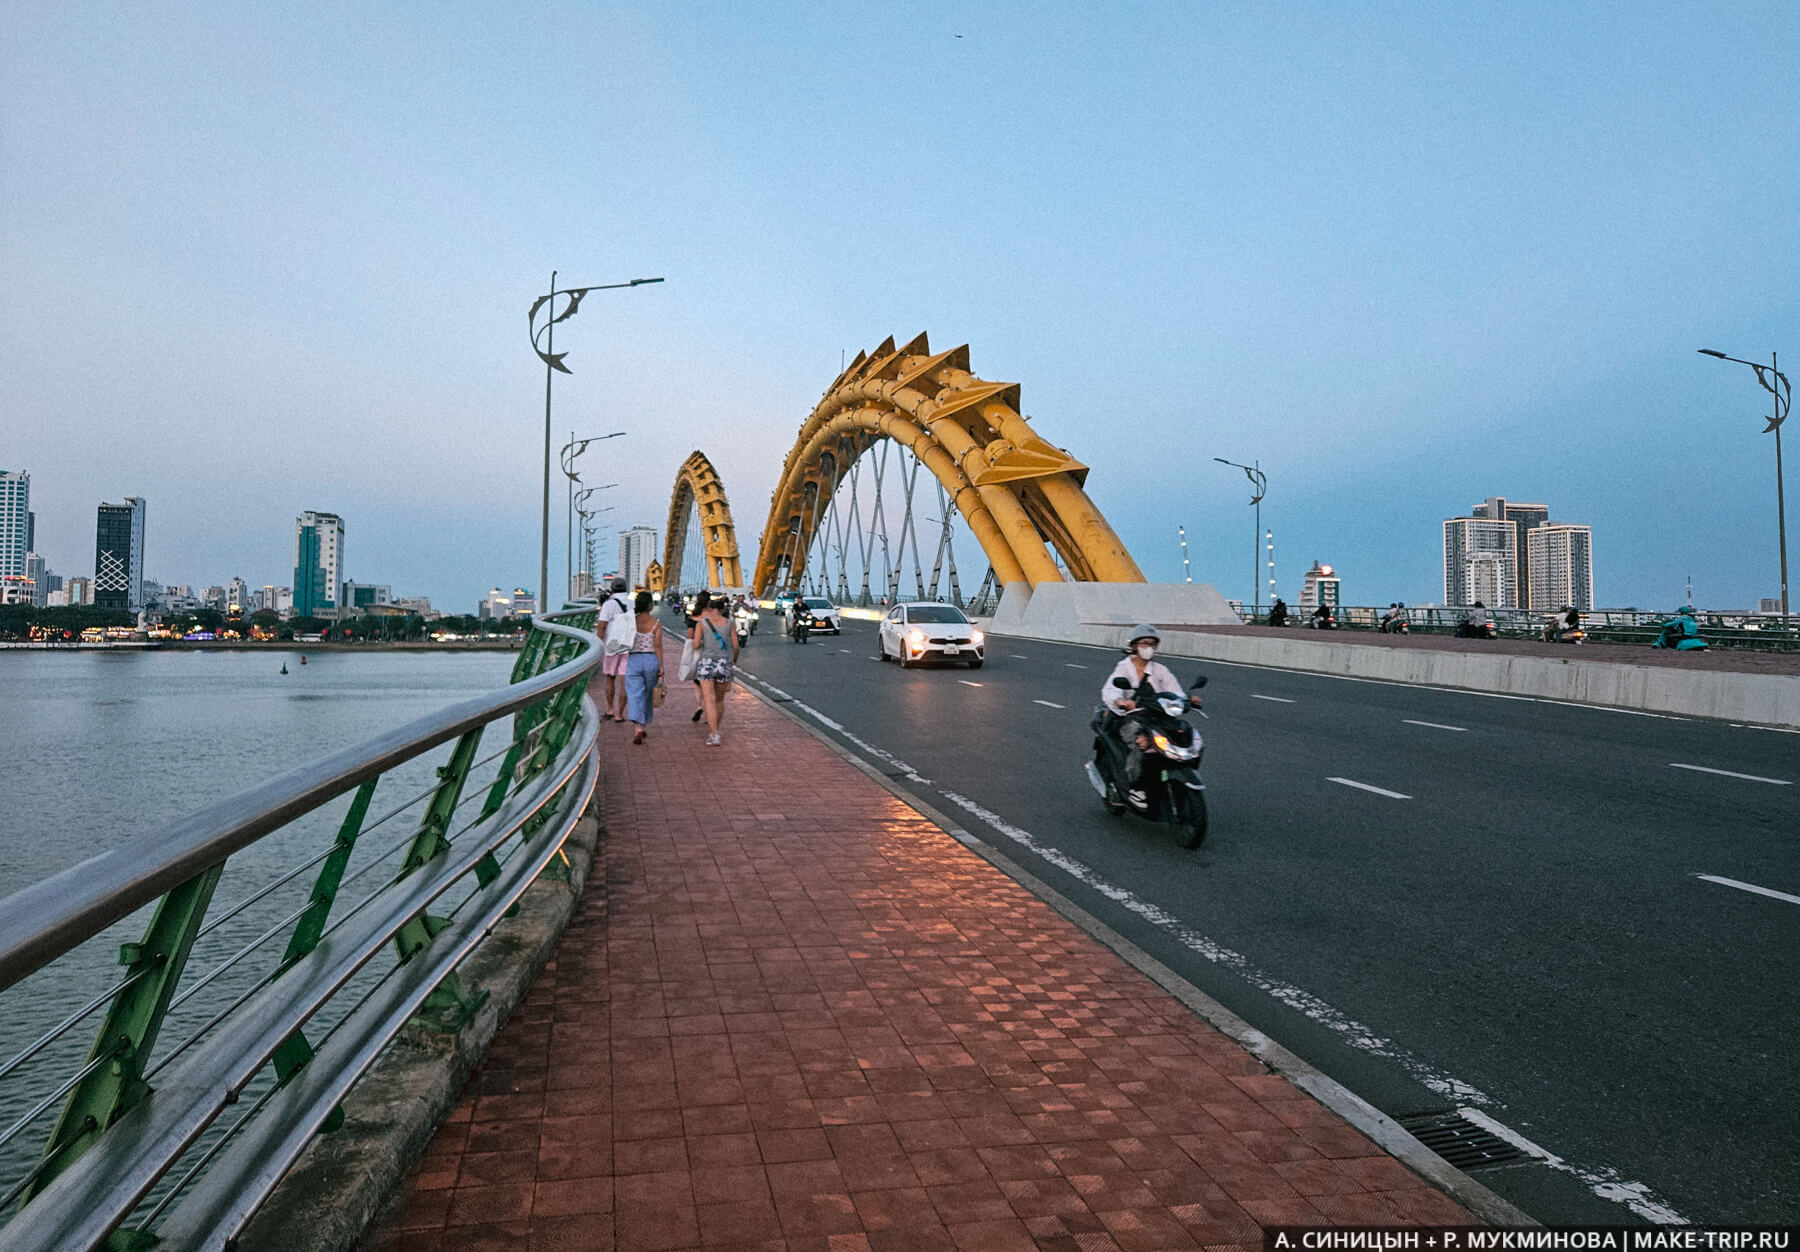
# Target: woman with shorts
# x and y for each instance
(715, 653)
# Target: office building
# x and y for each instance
(524, 604)
(119, 556)
(39, 574)
(494, 605)
(17, 589)
(364, 595)
(318, 563)
(637, 550)
(1524, 517)
(1481, 562)
(1562, 566)
(420, 605)
(16, 537)
(80, 590)
(1320, 585)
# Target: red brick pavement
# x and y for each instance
(790, 1012)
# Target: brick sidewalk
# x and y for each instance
(790, 1012)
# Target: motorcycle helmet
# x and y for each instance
(1143, 630)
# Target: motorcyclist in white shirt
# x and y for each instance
(1137, 666)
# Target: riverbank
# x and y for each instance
(285, 645)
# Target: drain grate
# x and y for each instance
(1460, 1141)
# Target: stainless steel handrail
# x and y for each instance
(49, 918)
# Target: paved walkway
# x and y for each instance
(790, 1012)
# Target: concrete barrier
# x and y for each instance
(1762, 699)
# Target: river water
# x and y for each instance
(100, 747)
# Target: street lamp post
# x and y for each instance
(570, 451)
(1259, 483)
(1776, 384)
(553, 361)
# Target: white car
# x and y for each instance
(824, 615)
(920, 630)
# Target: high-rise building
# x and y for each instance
(1524, 518)
(1481, 562)
(318, 563)
(237, 597)
(637, 549)
(1320, 585)
(119, 556)
(496, 604)
(1562, 566)
(16, 538)
(524, 604)
(39, 573)
(81, 590)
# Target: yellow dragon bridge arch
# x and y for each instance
(697, 488)
(1020, 495)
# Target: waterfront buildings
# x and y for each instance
(119, 555)
(495, 604)
(637, 549)
(318, 563)
(364, 595)
(16, 526)
(524, 604)
(1320, 585)
(1562, 566)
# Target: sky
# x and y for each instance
(258, 259)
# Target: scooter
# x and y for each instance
(802, 628)
(1469, 628)
(744, 618)
(1169, 787)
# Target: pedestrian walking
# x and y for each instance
(616, 630)
(686, 673)
(715, 655)
(643, 667)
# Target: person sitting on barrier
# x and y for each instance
(1681, 632)
(1136, 668)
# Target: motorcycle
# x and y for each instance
(744, 618)
(1470, 628)
(1394, 622)
(802, 627)
(1169, 781)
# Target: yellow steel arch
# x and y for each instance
(697, 486)
(653, 578)
(1020, 495)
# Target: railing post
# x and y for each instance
(430, 842)
(132, 1022)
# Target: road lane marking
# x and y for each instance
(1072, 665)
(1603, 1181)
(1380, 791)
(1701, 769)
(1049, 704)
(1434, 725)
(1272, 699)
(1746, 886)
(965, 682)
(1017, 657)
(843, 649)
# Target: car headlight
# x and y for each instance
(976, 637)
(916, 638)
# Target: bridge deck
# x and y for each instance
(792, 1013)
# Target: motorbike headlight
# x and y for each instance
(1161, 741)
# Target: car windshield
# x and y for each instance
(813, 602)
(935, 613)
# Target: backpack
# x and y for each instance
(621, 630)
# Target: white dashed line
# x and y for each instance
(1745, 886)
(1017, 657)
(1072, 665)
(1434, 725)
(965, 682)
(1048, 704)
(1380, 791)
(843, 649)
(1272, 699)
(1725, 773)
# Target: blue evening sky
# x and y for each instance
(263, 258)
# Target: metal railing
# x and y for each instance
(177, 1146)
(1760, 632)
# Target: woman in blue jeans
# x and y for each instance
(643, 666)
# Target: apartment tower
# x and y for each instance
(119, 556)
(318, 563)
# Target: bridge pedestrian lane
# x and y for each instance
(791, 1012)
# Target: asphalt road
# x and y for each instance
(1520, 927)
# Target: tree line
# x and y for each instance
(17, 621)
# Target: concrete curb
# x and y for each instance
(1757, 699)
(351, 1177)
(1387, 1134)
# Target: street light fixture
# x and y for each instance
(570, 451)
(1783, 391)
(553, 361)
(1259, 483)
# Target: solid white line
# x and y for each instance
(1701, 769)
(1380, 791)
(965, 682)
(1049, 705)
(1434, 725)
(1272, 699)
(1745, 886)
(1072, 665)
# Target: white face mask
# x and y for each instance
(1146, 651)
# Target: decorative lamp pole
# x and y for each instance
(553, 360)
(1259, 483)
(1187, 572)
(1776, 384)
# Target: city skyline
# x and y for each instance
(1368, 250)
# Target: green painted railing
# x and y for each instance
(200, 1089)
